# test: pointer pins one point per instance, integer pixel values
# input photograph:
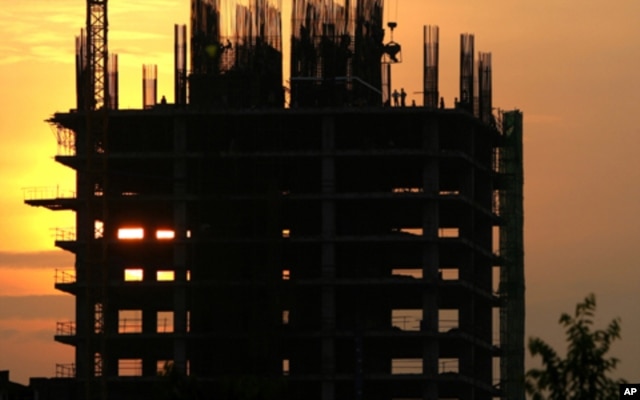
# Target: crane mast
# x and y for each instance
(96, 106)
(97, 27)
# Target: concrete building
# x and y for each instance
(333, 249)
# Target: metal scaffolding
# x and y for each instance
(512, 311)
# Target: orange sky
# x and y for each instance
(571, 67)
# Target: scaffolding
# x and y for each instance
(512, 310)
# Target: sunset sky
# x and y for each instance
(570, 66)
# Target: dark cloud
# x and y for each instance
(43, 259)
(6, 334)
(36, 307)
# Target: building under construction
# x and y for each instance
(250, 241)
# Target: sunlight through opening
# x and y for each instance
(130, 233)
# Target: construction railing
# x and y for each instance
(47, 193)
(65, 328)
(64, 276)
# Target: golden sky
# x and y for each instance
(571, 66)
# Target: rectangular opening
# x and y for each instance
(188, 275)
(286, 274)
(286, 233)
(495, 280)
(133, 274)
(495, 240)
(449, 232)
(165, 275)
(164, 322)
(129, 321)
(285, 317)
(409, 231)
(285, 366)
(414, 189)
(448, 320)
(98, 229)
(130, 233)
(448, 365)
(495, 324)
(163, 366)
(449, 274)
(415, 273)
(495, 376)
(165, 234)
(97, 362)
(406, 319)
(401, 366)
(130, 367)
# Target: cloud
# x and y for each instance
(6, 334)
(51, 259)
(15, 335)
(44, 31)
(35, 307)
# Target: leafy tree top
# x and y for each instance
(583, 374)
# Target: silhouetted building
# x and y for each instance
(336, 249)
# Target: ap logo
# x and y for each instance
(630, 391)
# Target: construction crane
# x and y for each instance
(96, 106)
(97, 53)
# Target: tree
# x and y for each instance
(584, 373)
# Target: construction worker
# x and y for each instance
(395, 96)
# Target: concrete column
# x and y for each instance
(180, 245)
(328, 259)
(430, 256)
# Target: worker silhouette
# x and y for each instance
(403, 97)
(395, 96)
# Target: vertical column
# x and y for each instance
(84, 322)
(149, 85)
(466, 71)
(512, 287)
(430, 67)
(430, 256)
(113, 82)
(328, 258)
(180, 246)
(467, 271)
(180, 64)
(484, 87)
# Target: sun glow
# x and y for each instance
(165, 234)
(130, 233)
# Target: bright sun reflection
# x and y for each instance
(133, 274)
(165, 234)
(130, 233)
(165, 276)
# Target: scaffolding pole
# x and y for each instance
(512, 310)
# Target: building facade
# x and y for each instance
(233, 247)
